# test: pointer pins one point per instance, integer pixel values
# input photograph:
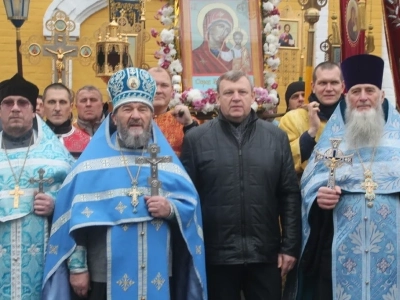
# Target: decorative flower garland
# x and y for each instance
(205, 101)
(166, 55)
(271, 30)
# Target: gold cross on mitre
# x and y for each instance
(333, 158)
(16, 193)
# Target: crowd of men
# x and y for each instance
(145, 203)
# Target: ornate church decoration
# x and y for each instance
(271, 46)
(60, 47)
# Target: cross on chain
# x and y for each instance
(153, 160)
(333, 158)
(369, 186)
(134, 193)
(16, 193)
(41, 180)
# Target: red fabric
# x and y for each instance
(204, 62)
(353, 39)
(172, 130)
(392, 31)
(77, 141)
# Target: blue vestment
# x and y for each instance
(95, 193)
(366, 240)
(23, 234)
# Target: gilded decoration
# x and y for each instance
(158, 281)
(60, 47)
(53, 249)
(157, 223)
(198, 249)
(133, 10)
(87, 212)
(125, 282)
(120, 207)
(292, 47)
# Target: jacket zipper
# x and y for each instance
(243, 217)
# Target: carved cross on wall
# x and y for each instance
(61, 50)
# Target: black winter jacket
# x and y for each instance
(246, 191)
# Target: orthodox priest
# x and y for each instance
(350, 192)
(33, 165)
(114, 230)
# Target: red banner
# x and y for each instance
(391, 11)
(353, 38)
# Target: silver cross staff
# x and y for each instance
(41, 180)
(153, 160)
(333, 158)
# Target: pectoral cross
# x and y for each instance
(153, 160)
(16, 193)
(333, 158)
(134, 193)
(369, 186)
(41, 180)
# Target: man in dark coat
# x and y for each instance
(243, 171)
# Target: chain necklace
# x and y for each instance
(368, 185)
(17, 192)
(134, 192)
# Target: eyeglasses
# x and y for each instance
(9, 103)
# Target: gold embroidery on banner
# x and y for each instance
(125, 282)
(158, 281)
(157, 223)
(53, 249)
(87, 212)
(198, 249)
(120, 207)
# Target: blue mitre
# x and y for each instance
(131, 85)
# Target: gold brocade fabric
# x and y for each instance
(172, 130)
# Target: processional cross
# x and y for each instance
(16, 193)
(333, 158)
(41, 180)
(153, 160)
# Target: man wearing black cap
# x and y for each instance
(33, 164)
(350, 191)
(294, 95)
(304, 126)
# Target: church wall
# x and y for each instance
(40, 74)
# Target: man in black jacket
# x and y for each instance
(243, 171)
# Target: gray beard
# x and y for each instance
(131, 141)
(364, 129)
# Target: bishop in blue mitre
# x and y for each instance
(130, 225)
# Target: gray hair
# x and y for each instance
(233, 76)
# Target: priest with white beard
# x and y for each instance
(350, 196)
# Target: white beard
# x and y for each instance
(364, 128)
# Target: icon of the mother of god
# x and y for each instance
(213, 56)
